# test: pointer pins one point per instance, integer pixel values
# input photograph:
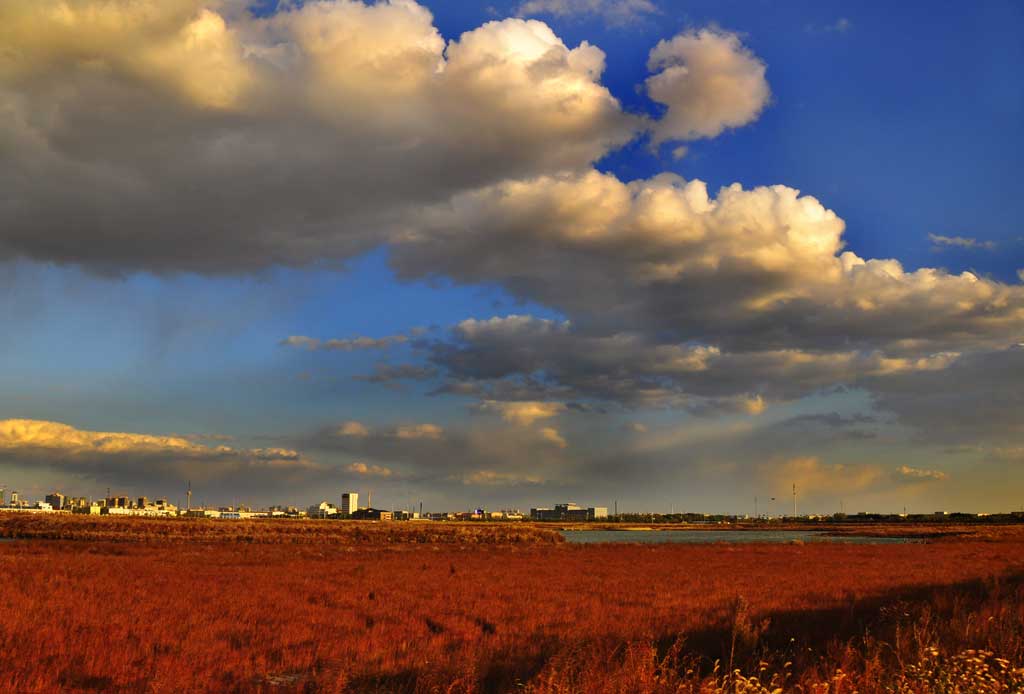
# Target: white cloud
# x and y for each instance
(364, 470)
(522, 413)
(352, 429)
(913, 474)
(759, 269)
(709, 81)
(960, 242)
(145, 457)
(346, 344)
(613, 12)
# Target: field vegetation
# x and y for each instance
(265, 531)
(214, 616)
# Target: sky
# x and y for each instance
(673, 256)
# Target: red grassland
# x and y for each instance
(153, 616)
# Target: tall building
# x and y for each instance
(349, 502)
(56, 500)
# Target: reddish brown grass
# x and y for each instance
(222, 617)
(265, 531)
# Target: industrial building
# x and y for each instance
(372, 514)
(349, 503)
(569, 512)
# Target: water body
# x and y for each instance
(730, 536)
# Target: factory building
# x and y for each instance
(569, 512)
(372, 514)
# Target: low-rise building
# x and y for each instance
(372, 514)
(569, 512)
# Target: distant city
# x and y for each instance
(349, 508)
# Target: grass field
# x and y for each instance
(420, 614)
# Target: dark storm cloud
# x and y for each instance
(977, 400)
(525, 358)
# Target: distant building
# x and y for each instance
(569, 512)
(372, 514)
(349, 503)
(323, 510)
(56, 500)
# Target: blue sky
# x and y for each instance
(168, 315)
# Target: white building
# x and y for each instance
(349, 502)
(324, 510)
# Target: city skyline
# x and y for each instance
(514, 254)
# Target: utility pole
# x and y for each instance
(794, 500)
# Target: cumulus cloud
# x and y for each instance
(906, 473)
(522, 413)
(940, 241)
(708, 81)
(364, 470)
(129, 456)
(178, 135)
(748, 269)
(613, 12)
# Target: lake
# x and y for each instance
(711, 536)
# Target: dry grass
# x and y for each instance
(265, 531)
(159, 616)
